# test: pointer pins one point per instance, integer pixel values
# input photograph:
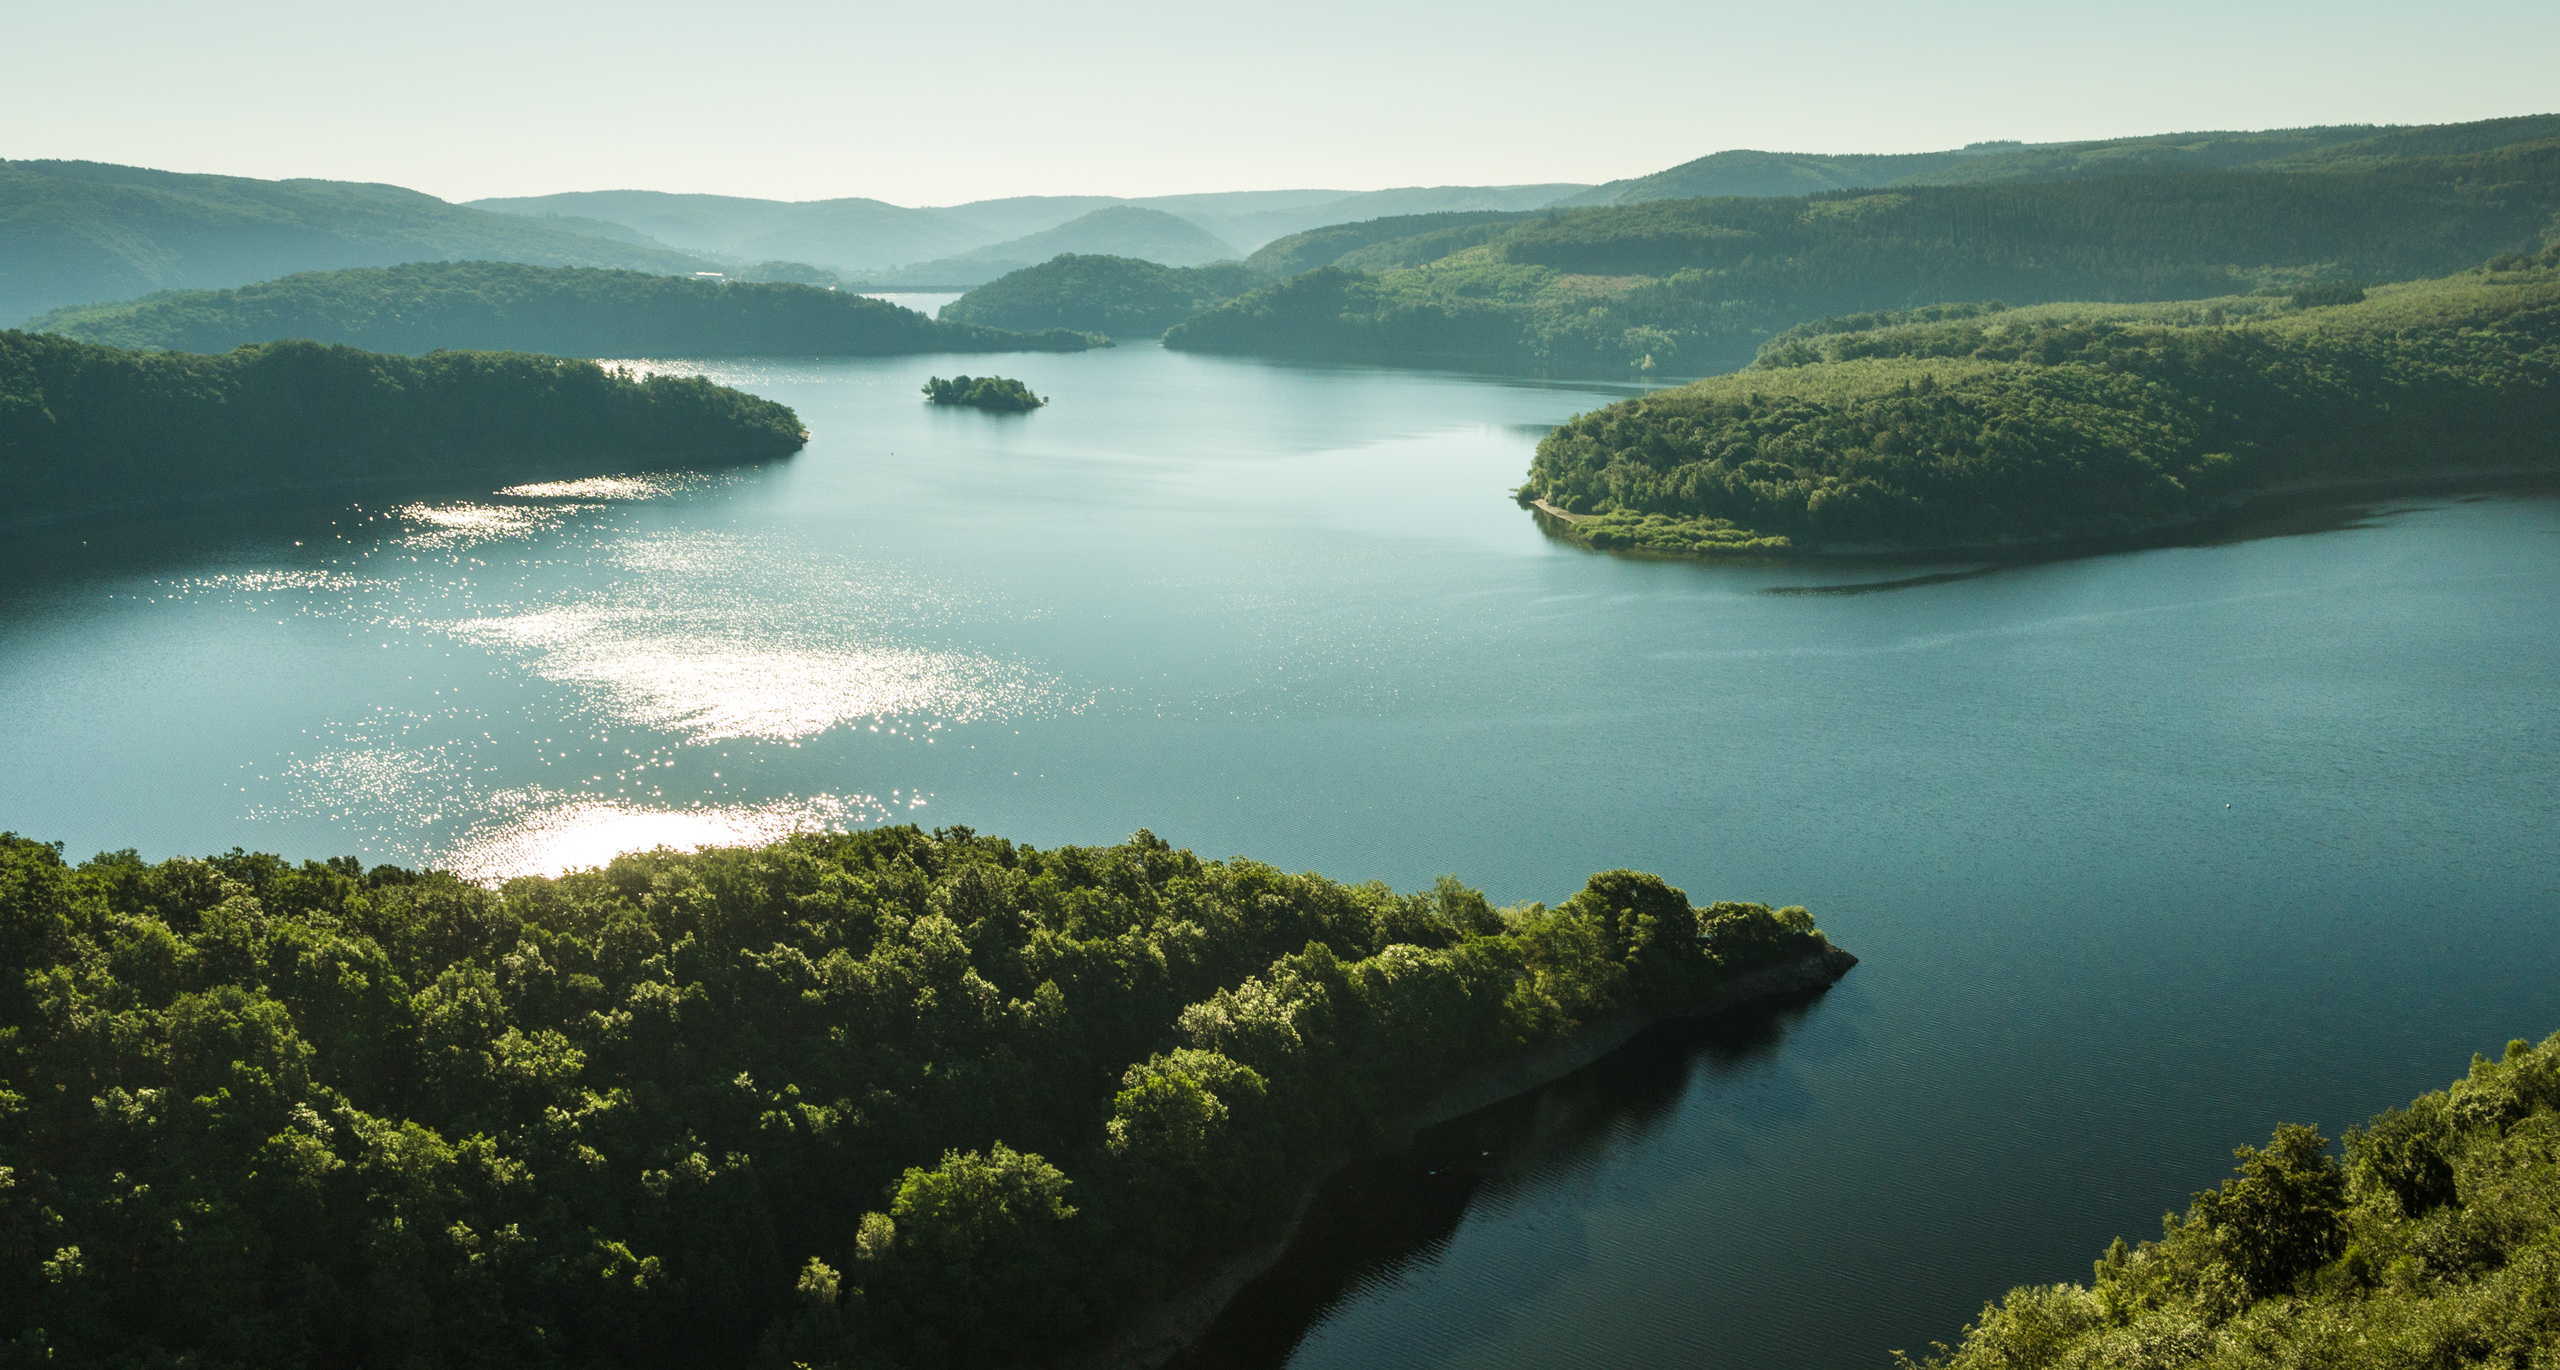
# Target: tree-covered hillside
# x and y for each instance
(1300, 253)
(1745, 172)
(88, 429)
(78, 232)
(877, 1100)
(1695, 286)
(1119, 297)
(565, 311)
(2435, 1243)
(1972, 426)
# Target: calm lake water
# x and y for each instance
(2143, 853)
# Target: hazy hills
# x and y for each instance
(1119, 231)
(859, 237)
(78, 232)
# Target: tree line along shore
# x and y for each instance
(1989, 430)
(88, 430)
(882, 1099)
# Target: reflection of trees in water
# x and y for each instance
(1398, 1212)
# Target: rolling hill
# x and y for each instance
(1752, 173)
(77, 232)
(1692, 287)
(1120, 297)
(509, 307)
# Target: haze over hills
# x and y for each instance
(1147, 235)
(81, 232)
(858, 236)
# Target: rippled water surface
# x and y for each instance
(2143, 853)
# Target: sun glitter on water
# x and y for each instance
(550, 833)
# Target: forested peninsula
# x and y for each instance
(882, 1099)
(87, 429)
(1693, 287)
(1119, 297)
(2437, 1242)
(1990, 429)
(563, 311)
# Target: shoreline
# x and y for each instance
(513, 472)
(1184, 1317)
(2228, 516)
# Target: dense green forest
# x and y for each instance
(2436, 1243)
(1693, 287)
(1971, 425)
(881, 1099)
(1119, 297)
(1747, 172)
(1319, 247)
(73, 232)
(86, 428)
(565, 311)
(995, 394)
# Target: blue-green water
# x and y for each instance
(2143, 853)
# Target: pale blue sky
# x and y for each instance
(935, 104)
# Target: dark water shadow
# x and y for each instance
(1870, 587)
(1399, 1211)
(193, 535)
(2284, 514)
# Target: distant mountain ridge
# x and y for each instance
(862, 237)
(1118, 231)
(80, 232)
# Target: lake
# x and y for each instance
(2143, 853)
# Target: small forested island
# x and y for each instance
(564, 311)
(87, 429)
(1693, 287)
(2436, 1243)
(995, 394)
(1121, 297)
(881, 1099)
(1986, 429)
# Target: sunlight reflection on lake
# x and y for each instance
(552, 832)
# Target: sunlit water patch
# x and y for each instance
(444, 527)
(662, 672)
(649, 486)
(547, 833)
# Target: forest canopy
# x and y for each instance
(564, 311)
(881, 1099)
(1974, 426)
(85, 428)
(2435, 1242)
(995, 394)
(1693, 287)
(1120, 297)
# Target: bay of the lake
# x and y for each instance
(2143, 853)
